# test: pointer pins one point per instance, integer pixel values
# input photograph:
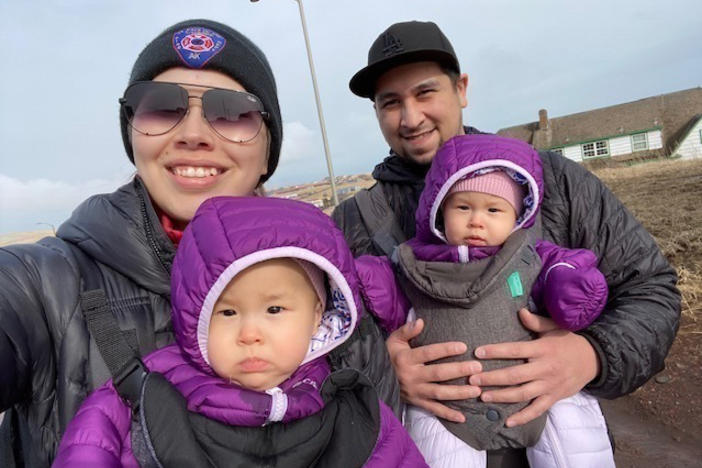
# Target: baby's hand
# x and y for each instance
(574, 297)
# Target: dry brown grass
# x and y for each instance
(23, 237)
(666, 196)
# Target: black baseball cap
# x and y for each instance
(411, 41)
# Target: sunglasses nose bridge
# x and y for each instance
(191, 104)
(193, 129)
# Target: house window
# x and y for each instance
(639, 142)
(595, 149)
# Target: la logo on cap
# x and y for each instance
(391, 44)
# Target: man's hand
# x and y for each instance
(560, 364)
(418, 380)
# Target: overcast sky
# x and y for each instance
(64, 63)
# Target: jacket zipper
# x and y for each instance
(149, 231)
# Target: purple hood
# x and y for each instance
(227, 235)
(466, 156)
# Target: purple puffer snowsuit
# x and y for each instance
(227, 235)
(569, 287)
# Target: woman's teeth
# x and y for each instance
(198, 172)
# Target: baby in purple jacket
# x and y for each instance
(262, 290)
(476, 260)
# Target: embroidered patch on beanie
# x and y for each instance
(197, 45)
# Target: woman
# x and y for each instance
(200, 118)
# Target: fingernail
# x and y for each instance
(486, 397)
(475, 381)
(412, 324)
(509, 423)
(480, 352)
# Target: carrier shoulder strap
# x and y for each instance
(119, 355)
(379, 219)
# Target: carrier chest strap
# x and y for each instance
(379, 219)
(119, 354)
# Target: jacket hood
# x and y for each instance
(466, 156)
(122, 231)
(399, 170)
(229, 234)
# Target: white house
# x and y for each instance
(665, 125)
(690, 144)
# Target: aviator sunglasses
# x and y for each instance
(156, 107)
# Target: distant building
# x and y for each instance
(349, 189)
(665, 125)
(289, 196)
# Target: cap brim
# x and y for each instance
(363, 82)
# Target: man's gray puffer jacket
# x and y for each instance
(49, 364)
(635, 331)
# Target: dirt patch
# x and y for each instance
(660, 423)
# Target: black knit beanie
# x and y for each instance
(216, 47)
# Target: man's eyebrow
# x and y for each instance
(386, 95)
(428, 83)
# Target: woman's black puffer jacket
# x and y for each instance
(49, 363)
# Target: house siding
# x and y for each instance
(620, 145)
(691, 146)
(573, 153)
(655, 139)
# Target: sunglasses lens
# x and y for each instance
(234, 115)
(154, 108)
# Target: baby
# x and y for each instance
(262, 290)
(476, 260)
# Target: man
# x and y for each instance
(413, 78)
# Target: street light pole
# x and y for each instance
(332, 180)
(318, 101)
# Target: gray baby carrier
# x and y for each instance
(477, 303)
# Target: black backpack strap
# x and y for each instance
(379, 219)
(119, 355)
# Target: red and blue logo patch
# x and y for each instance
(197, 45)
